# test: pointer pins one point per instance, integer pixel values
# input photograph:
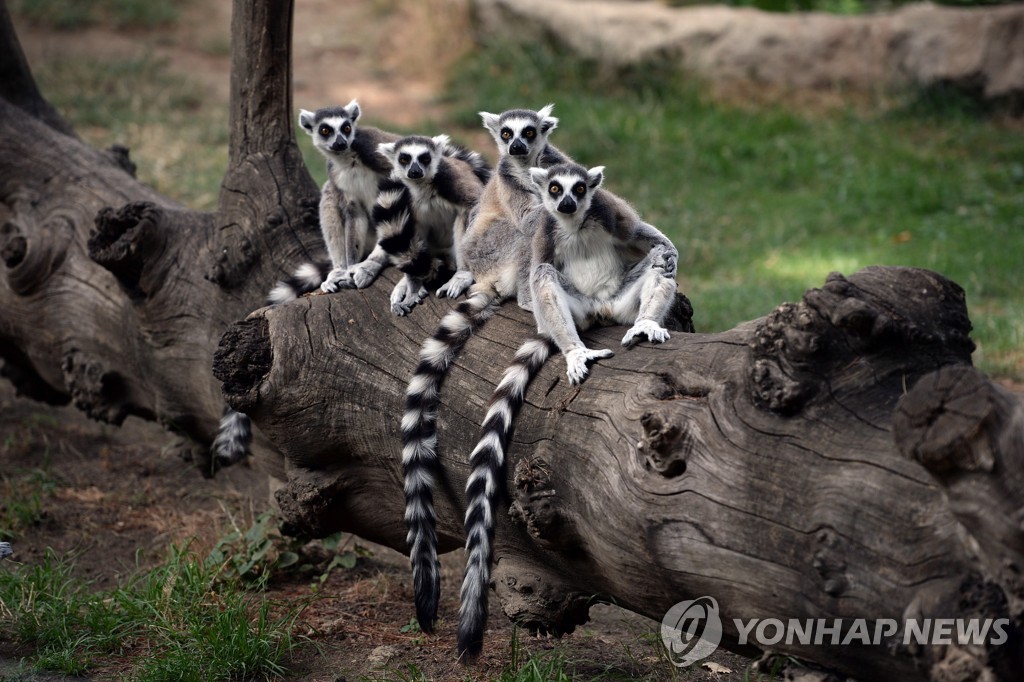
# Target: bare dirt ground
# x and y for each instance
(116, 499)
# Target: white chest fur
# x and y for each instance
(591, 260)
(357, 182)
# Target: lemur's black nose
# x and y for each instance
(339, 146)
(415, 171)
(567, 205)
(518, 148)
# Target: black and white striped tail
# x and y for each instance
(231, 444)
(485, 484)
(419, 443)
(306, 278)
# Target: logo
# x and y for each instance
(691, 630)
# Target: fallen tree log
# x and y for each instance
(757, 466)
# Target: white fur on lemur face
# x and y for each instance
(415, 158)
(520, 133)
(566, 190)
(332, 128)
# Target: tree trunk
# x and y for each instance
(115, 297)
(756, 466)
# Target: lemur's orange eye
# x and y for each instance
(506, 134)
(325, 131)
(580, 189)
(346, 129)
(529, 133)
(555, 189)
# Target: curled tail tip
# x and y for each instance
(306, 278)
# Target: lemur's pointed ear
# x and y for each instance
(306, 120)
(387, 150)
(547, 121)
(595, 176)
(539, 176)
(490, 121)
(441, 141)
(353, 110)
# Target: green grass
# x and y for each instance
(176, 137)
(21, 501)
(764, 202)
(179, 621)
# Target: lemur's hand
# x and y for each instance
(654, 332)
(339, 278)
(406, 294)
(364, 273)
(457, 285)
(576, 362)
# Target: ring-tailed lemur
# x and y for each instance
(594, 261)
(495, 250)
(421, 211)
(354, 172)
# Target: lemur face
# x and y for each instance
(520, 133)
(414, 158)
(568, 188)
(332, 128)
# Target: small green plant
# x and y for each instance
(21, 501)
(262, 551)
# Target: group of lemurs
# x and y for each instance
(539, 228)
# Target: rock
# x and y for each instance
(979, 51)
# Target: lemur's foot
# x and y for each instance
(576, 362)
(406, 295)
(654, 332)
(457, 285)
(339, 278)
(364, 273)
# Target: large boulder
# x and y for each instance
(979, 50)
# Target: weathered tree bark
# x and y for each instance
(115, 297)
(757, 466)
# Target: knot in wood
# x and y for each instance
(233, 259)
(98, 392)
(118, 153)
(125, 240)
(664, 446)
(12, 245)
(943, 422)
(537, 505)
(242, 360)
(537, 600)
(892, 319)
(31, 262)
